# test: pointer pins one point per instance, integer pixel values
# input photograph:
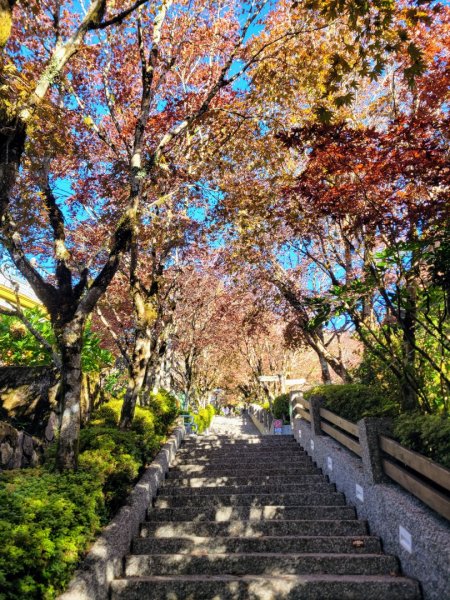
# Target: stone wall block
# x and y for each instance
(6, 453)
(18, 460)
(51, 427)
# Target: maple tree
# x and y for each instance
(363, 201)
(99, 110)
(224, 338)
(132, 139)
(138, 308)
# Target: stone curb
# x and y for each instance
(104, 562)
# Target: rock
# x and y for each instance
(52, 427)
(17, 448)
(6, 453)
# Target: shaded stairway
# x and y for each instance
(253, 518)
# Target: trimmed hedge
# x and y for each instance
(354, 401)
(280, 407)
(427, 434)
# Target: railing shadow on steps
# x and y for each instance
(369, 474)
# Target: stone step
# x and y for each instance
(251, 513)
(261, 442)
(243, 529)
(267, 488)
(256, 452)
(252, 439)
(289, 460)
(180, 482)
(238, 470)
(250, 449)
(227, 500)
(266, 544)
(251, 462)
(304, 587)
(259, 445)
(272, 564)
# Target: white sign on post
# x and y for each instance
(292, 382)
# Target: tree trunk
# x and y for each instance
(137, 372)
(12, 144)
(70, 342)
(325, 369)
(409, 383)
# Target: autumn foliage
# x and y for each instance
(207, 182)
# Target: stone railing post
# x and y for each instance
(369, 430)
(315, 404)
(295, 397)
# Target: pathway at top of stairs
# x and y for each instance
(248, 517)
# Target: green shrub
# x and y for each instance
(427, 434)
(204, 417)
(354, 401)
(164, 407)
(115, 457)
(19, 347)
(47, 521)
(280, 407)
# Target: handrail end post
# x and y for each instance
(370, 428)
(295, 396)
(315, 404)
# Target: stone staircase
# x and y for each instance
(253, 518)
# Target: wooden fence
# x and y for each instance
(425, 479)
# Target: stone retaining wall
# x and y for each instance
(408, 528)
(259, 424)
(17, 448)
(263, 421)
(29, 399)
(105, 559)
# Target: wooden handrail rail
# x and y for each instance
(305, 414)
(342, 438)
(434, 499)
(348, 426)
(425, 466)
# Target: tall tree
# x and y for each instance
(137, 104)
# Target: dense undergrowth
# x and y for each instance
(428, 434)
(48, 519)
